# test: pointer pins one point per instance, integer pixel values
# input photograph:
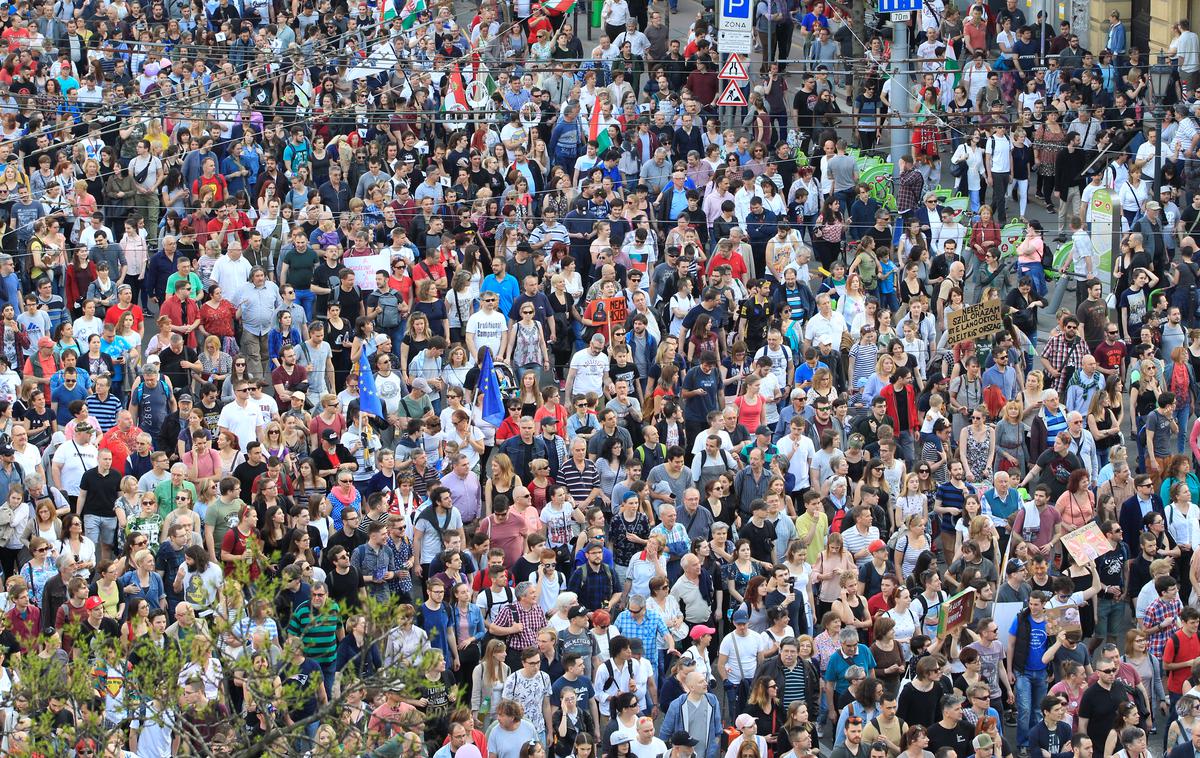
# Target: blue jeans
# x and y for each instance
(736, 695)
(907, 448)
(974, 195)
(1182, 414)
(306, 299)
(1035, 272)
(329, 672)
(1031, 688)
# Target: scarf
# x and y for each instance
(1180, 383)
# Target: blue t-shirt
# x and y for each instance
(1037, 643)
(697, 408)
(838, 663)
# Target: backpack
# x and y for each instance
(836, 523)
(389, 310)
(510, 599)
(336, 296)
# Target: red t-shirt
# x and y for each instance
(1180, 647)
(236, 543)
(1110, 356)
(115, 312)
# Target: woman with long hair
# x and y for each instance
(833, 561)
(487, 681)
(1077, 505)
(762, 707)
(829, 233)
(977, 446)
(502, 480)
(739, 573)
(851, 606)
(217, 316)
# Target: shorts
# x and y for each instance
(101, 530)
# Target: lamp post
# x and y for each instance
(1160, 80)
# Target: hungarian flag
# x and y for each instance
(456, 95)
(408, 12)
(595, 132)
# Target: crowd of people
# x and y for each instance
(742, 459)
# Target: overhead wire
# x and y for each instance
(350, 109)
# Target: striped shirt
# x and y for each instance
(317, 633)
(104, 411)
(579, 482)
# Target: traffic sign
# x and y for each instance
(735, 28)
(732, 95)
(734, 69)
(899, 6)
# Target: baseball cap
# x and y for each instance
(699, 630)
(185, 397)
(683, 739)
(982, 741)
(876, 545)
(744, 721)
(93, 603)
(329, 435)
(741, 616)
(576, 611)
(1014, 566)
(620, 738)
(45, 342)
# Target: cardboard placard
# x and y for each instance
(1064, 618)
(1087, 543)
(956, 612)
(973, 322)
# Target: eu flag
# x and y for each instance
(368, 397)
(493, 405)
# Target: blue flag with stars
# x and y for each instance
(489, 387)
(368, 396)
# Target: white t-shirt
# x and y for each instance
(590, 371)
(74, 459)
(1000, 149)
(1187, 47)
(243, 422)
(800, 459)
(742, 657)
(487, 329)
(390, 389)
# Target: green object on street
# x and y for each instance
(597, 9)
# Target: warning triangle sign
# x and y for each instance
(734, 68)
(732, 95)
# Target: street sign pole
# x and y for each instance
(898, 94)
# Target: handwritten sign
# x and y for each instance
(365, 266)
(973, 322)
(1087, 543)
(956, 612)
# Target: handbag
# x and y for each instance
(958, 170)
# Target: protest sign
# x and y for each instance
(956, 612)
(1087, 543)
(973, 322)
